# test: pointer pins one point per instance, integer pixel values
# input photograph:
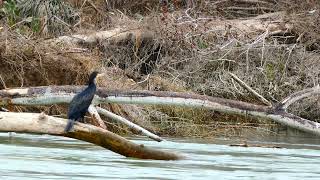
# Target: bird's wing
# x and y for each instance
(80, 103)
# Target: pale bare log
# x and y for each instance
(235, 8)
(61, 94)
(298, 96)
(43, 124)
(129, 123)
(271, 22)
(92, 38)
(243, 84)
(112, 35)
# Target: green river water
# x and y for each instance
(25, 157)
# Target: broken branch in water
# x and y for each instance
(130, 124)
(43, 124)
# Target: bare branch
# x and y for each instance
(255, 93)
(93, 111)
(298, 96)
(130, 124)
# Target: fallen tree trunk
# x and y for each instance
(112, 36)
(43, 124)
(271, 22)
(63, 94)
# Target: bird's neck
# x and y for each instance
(92, 84)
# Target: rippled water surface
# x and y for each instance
(46, 157)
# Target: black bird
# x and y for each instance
(80, 103)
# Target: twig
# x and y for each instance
(146, 79)
(4, 109)
(249, 8)
(130, 124)
(3, 83)
(243, 84)
(74, 50)
(96, 9)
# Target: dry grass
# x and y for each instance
(305, 18)
(27, 62)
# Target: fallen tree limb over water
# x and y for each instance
(47, 95)
(128, 123)
(43, 124)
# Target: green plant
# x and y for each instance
(10, 11)
(202, 44)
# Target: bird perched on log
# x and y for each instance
(80, 103)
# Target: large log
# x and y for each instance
(43, 124)
(269, 23)
(63, 94)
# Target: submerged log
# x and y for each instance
(42, 124)
(48, 95)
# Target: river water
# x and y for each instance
(25, 156)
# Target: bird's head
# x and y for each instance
(94, 76)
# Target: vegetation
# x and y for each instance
(181, 45)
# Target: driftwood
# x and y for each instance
(43, 124)
(255, 145)
(63, 94)
(112, 36)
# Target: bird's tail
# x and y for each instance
(69, 125)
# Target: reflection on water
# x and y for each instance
(46, 157)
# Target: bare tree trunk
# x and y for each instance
(272, 22)
(63, 94)
(43, 124)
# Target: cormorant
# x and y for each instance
(80, 103)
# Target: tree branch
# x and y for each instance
(63, 94)
(130, 124)
(243, 84)
(298, 96)
(43, 124)
(94, 113)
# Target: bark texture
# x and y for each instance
(42, 124)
